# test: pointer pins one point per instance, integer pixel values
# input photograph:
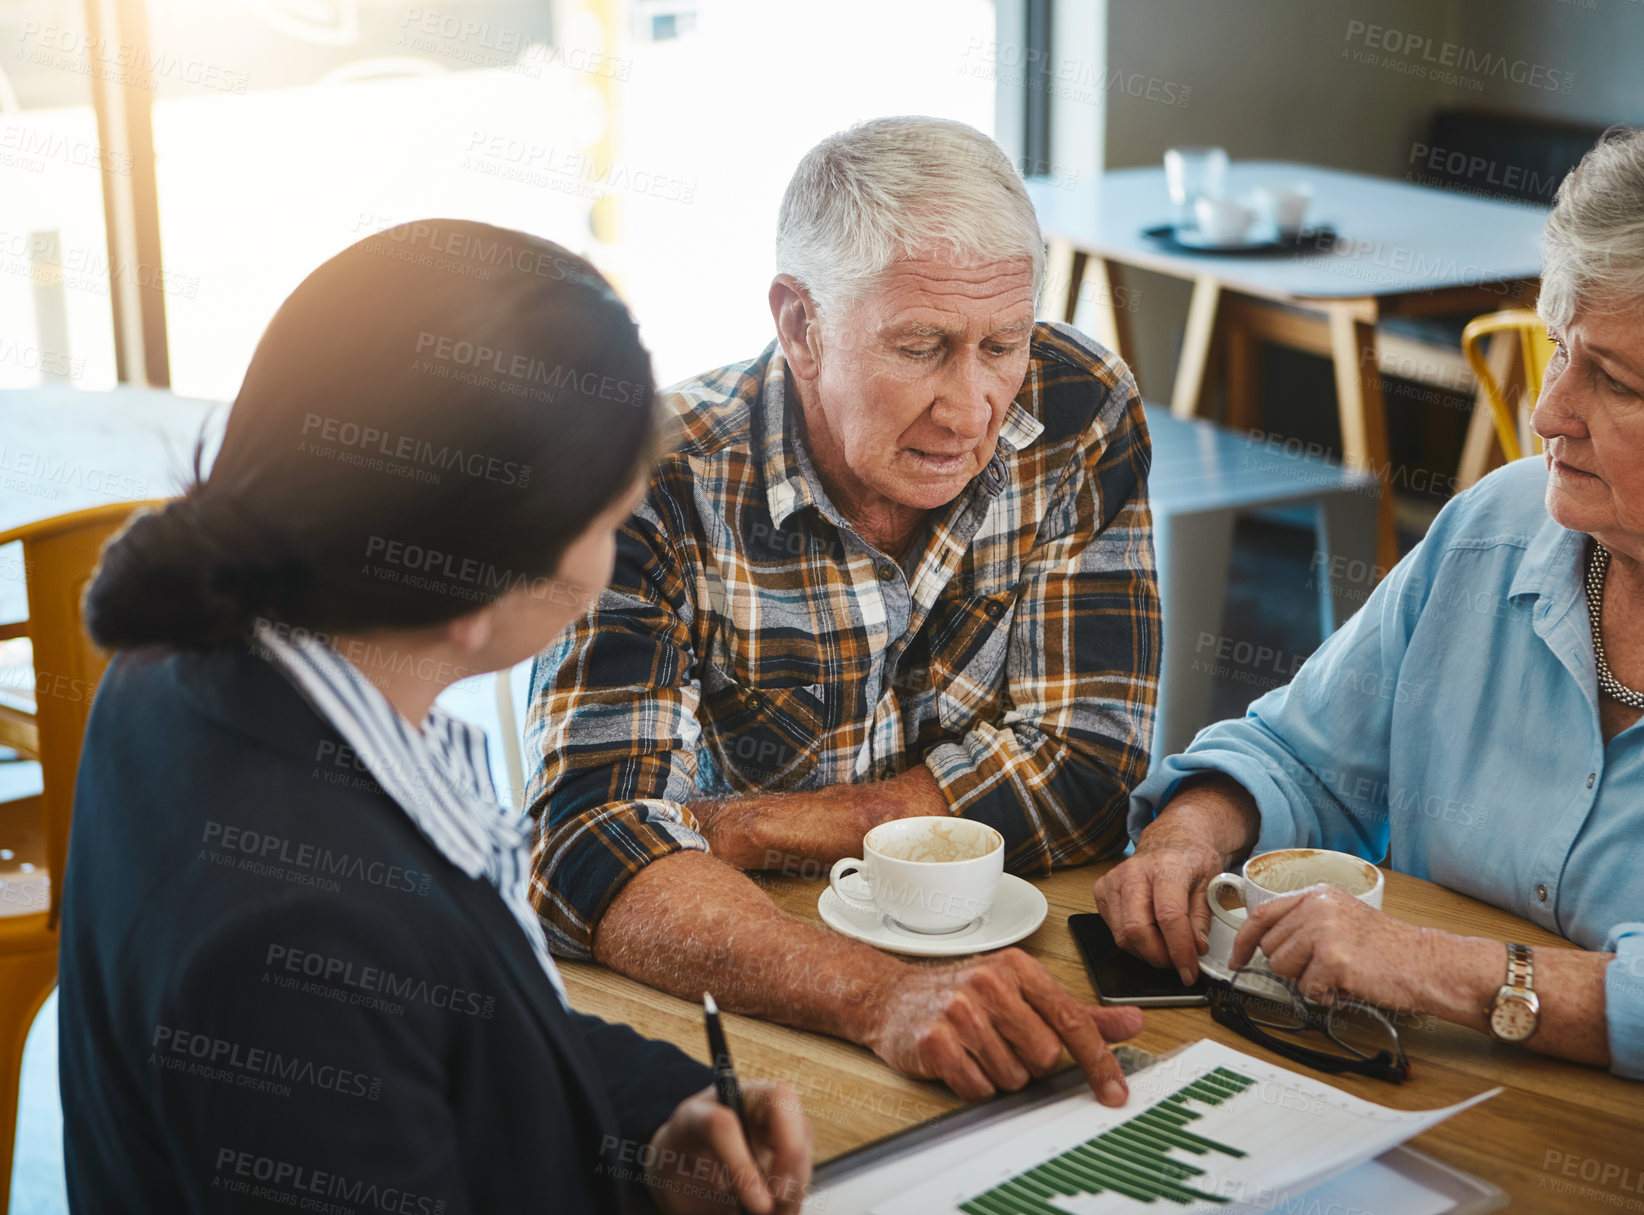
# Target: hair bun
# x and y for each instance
(170, 578)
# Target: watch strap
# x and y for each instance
(1517, 990)
(1520, 968)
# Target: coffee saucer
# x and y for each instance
(1219, 970)
(1018, 909)
(1260, 239)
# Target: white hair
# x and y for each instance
(896, 188)
(1592, 250)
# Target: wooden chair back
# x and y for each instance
(1535, 349)
(60, 556)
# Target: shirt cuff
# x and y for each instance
(1279, 825)
(1624, 1000)
(583, 863)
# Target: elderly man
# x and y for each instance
(899, 564)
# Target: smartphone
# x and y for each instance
(1123, 978)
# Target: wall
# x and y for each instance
(1344, 83)
(1266, 79)
(1595, 47)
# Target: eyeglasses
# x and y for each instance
(1353, 1036)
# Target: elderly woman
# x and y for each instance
(1476, 723)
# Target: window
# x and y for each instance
(653, 136)
(54, 268)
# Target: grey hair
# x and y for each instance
(1592, 250)
(895, 188)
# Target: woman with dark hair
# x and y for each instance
(299, 961)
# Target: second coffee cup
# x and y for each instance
(930, 875)
(1272, 875)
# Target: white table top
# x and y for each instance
(64, 449)
(68, 448)
(1394, 237)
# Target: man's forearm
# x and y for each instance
(776, 830)
(690, 923)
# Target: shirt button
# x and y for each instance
(1591, 777)
(1541, 892)
(994, 608)
(887, 572)
(756, 699)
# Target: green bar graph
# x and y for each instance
(1130, 1159)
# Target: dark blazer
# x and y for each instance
(276, 992)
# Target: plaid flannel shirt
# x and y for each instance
(752, 641)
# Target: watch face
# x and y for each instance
(1513, 1020)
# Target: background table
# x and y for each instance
(1202, 477)
(1549, 1106)
(1405, 250)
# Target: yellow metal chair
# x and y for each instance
(45, 723)
(1498, 382)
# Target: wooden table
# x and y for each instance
(1404, 250)
(1549, 1106)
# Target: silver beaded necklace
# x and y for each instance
(1598, 565)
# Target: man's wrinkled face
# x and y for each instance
(916, 376)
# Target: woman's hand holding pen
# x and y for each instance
(700, 1160)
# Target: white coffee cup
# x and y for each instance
(932, 875)
(1221, 220)
(1272, 875)
(1284, 206)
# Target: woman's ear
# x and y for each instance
(796, 326)
(470, 634)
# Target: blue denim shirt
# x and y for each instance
(1451, 729)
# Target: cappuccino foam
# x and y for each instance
(939, 843)
(1284, 874)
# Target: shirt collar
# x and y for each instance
(1021, 426)
(790, 478)
(787, 489)
(1551, 569)
(439, 776)
(432, 774)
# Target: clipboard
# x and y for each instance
(853, 1183)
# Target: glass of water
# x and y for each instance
(1192, 174)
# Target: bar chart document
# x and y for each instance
(1207, 1129)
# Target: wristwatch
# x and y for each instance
(1515, 1014)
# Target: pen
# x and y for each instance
(730, 1092)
